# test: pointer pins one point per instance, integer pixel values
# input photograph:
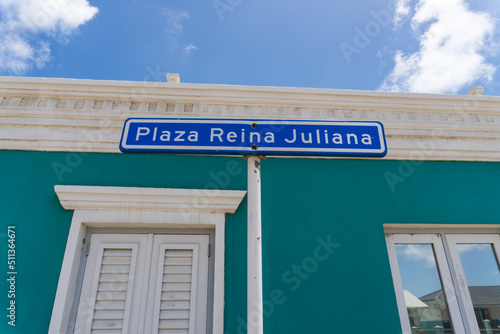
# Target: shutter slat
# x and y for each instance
(174, 324)
(107, 324)
(179, 253)
(115, 269)
(109, 305)
(176, 295)
(171, 286)
(174, 314)
(173, 331)
(111, 295)
(174, 305)
(111, 278)
(114, 260)
(108, 314)
(116, 252)
(112, 286)
(178, 270)
(177, 278)
(178, 261)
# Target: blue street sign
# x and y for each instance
(253, 137)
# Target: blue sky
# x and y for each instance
(444, 46)
(420, 276)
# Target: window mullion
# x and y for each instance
(447, 284)
(453, 263)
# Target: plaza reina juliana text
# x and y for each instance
(243, 137)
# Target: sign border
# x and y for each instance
(247, 150)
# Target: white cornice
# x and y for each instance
(88, 115)
(148, 199)
(129, 91)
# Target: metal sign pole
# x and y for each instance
(255, 320)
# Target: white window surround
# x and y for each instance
(125, 207)
(444, 239)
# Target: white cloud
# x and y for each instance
(174, 21)
(401, 10)
(418, 253)
(425, 252)
(451, 53)
(464, 248)
(190, 48)
(174, 28)
(26, 25)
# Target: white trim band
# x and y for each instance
(122, 207)
(88, 115)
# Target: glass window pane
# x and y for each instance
(483, 280)
(424, 296)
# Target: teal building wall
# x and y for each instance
(325, 268)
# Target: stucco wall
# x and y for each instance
(325, 260)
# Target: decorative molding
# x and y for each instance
(87, 115)
(148, 199)
(123, 207)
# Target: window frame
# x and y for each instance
(145, 208)
(436, 241)
(444, 240)
(452, 241)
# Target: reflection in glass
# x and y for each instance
(483, 280)
(424, 297)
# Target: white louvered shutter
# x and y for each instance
(144, 283)
(178, 288)
(111, 284)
